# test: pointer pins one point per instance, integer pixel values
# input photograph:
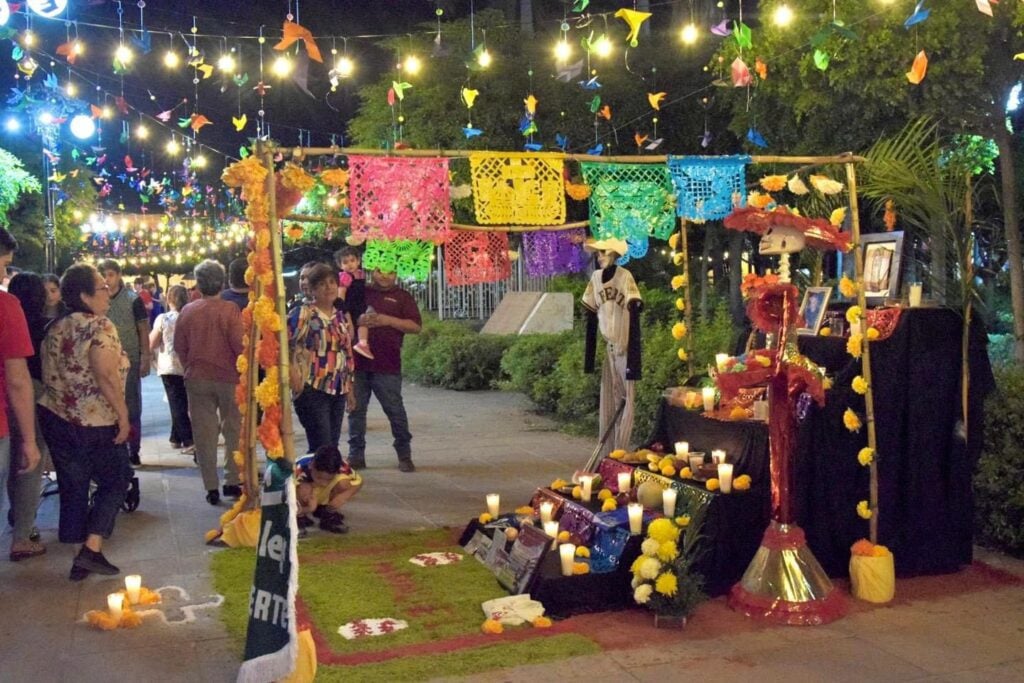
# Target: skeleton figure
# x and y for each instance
(782, 240)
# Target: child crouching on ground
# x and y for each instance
(325, 484)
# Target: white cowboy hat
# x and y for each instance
(610, 244)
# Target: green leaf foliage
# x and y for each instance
(998, 486)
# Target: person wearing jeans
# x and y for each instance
(394, 315)
(168, 366)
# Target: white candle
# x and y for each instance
(668, 502)
(717, 457)
(547, 508)
(586, 484)
(682, 447)
(708, 394)
(761, 410)
(551, 529)
(115, 605)
(625, 481)
(493, 504)
(568, 554)
(695, 462)
(725, 477)
(132, 584)
(636, 517)
(720, 361)
(915, 294)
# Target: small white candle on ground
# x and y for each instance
(708, 394)
(132, 584)
(625, 481)
(493, 504)
(720, 361)
(717, 457)
(636, 517)
(568, 553)
(586, 485)
(682, 447)
(115, 605)
(725, 477)
(551, 529)
(668, 501)
(547, 508)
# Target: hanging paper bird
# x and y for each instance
(605, 113)
(527, 125)
(241, 80)
(654, 144)
(198, 121)
(721, 28)
(595, 104)
(639, 139)
(634, 20)
(580, 5)
(57, 177)
(705, 140)
(469, 96)
(67, 50)
(761, 68)
(919, 15)
(121, 104)
(261, 88)
(569, 72)
(826, 185)
(531, 105)
(919, 69)
(294, 32)
(561, 142)
(821, 60)
(144, 41)
(50, 81)
(655, 99)
(164, 116)
(740, 73)
(205, 69)
(797, 186)
(240, 122)
(592, 84)
(471, 132)
(400, 88)
(595, 151)
(755, 138)
(741, 32)
(533, 147)
(129, 165)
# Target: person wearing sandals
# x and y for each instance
(325, 484)
(85, 417)
(25, 487)
(168, 366)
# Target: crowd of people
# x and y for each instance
(74, 350)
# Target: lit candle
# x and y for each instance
(568, 553)
(636, 517)
(708, 394)
(720, 361)
(586, 482)
(668, 502)
(551, 529)
(115, 605)
(132, 584)
(625, 481)
(717, 457)
(915, 294)
(682, 447)
(493, 504)
(547, 508)
(725, 477)
(696, 461)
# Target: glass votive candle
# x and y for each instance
(682, 447)
(915, 293)
(115, 605)
(696, 461)
(717, 457)
(547, 508)
(725, 477)
(493, 504)
(132, 586)
(625, 481)
(720, 360)
(551, 529)
(567, 551)
(586, 484)
(668, 501)
(636, 518)
(708, 394)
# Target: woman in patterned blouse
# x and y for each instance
(85, 418)
(324, 329)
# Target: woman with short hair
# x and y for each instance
(168, 366)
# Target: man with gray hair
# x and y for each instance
(208, 340)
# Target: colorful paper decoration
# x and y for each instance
(472, 257)
(630, 202)
(410, 259)
(551, 252)
(517, 188)
(706, 186)
(397, 197)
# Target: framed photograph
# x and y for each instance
(813, 308)
(882, 258)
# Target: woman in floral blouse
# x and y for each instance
(85, 418)
(324, 329)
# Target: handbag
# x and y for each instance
(298, 367)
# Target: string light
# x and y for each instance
(345, 67)
(689, 34)
(78, 48)
(171, 59)
(412, 65)
(783, 16)
(485, 59)
(70, 89)
(173, 147)
(563, 51)
(603, 47)
(226, 63)
(28, 38)
(282, 66)
(141, 132)
(106, 112)
(199, 161)
(123, 54)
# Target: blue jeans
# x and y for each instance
(388, 390)
(321, 415)
(82, 455)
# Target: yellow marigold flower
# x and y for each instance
(541, 622)
(668, 471)
(682, 355)
(854, 345)
(334, 177)
(653, 466)
(484, 517)
(851, 420)
(561, 483)
(635, 567)
(578, 191)
(617, 454)
(609, 505)
(604, 494)
(872, 334)
(577, 492)
(860, 385)
(580, 568)
(524, 510)
(863, 510)
(853, 315)
(295, 178)
(678, 281)
(242, 364)
(583, 551)
(663, 530)
(667, 584)
(680, 304)
(826, 383)
(866, 456)
(678, 259)
(759, 200)
(673, 241)
(837, 217)
(686, 473)
(763, 361)
(773, 183)
(678, 331)
(742, 482)
(563, 536)
(712, 484)
(683, 521)
(492, 627)
(668, 551)
(825, 332)
(847, 287)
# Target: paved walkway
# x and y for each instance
(465, 445)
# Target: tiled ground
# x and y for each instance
(465, 444)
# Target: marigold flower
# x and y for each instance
(853, 315)
(663, 530)
(742, 482)
(864, 510)
(872, 334)
(609, 505)
(680, 304)
(712, 484)
(542, 622)
(854, 345)
(642, 594)
(650, 547)
(673, 241)
(667, 584)
(759, 200)
(863, 547)
(773, 183)
(563, 536)
(242, 364)
(484, 517)
(678, 259)
(837, 216)
(577, 191)
(866, 456)
(577, 493)
(524, 510)
(826, 383)
(851, 420)
(860, 385)
(294, 177)
(604, 494)
(492, 627)
(668, 551)
(677, 282)
(683, 521)
(649, 568)
(334, 177)
(561, 483)
(668, 471)
(686, 473)
(678, 331)
(847, 287)
(583, 551)
(825, 332)
(682, 355)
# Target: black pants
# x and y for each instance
(177, 398)
(82, 455)
(321, 415)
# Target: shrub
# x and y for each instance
(450, 355)
(998, 486)
(528, 366)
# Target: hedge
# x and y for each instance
(998, 484)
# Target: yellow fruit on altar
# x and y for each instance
(648, 494)
(604, 494)
(668, 471)
(577, 493)
(511, 534)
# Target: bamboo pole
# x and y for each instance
(967, 288)
(252, 486)
(865, 359)
(308, 218)
(684, 246)
(287, 432)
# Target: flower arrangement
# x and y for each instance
(663, 577)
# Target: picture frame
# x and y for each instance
(882, 259)
(813, 309)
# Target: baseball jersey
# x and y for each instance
(610, 300)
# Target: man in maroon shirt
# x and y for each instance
(391, 313)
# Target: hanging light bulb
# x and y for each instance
(562, 50)
(282, 66)
(123, 54)
(173, 147)
(28, 38)
(485, 59)
(603, 47)
(171, 59)
(141, 132)
(689, 34)
(106, 112)
(412, 65)
(198, 161)
(70, 89)
(783, 16)
(226, 63)
(78, 48)
(345, 67)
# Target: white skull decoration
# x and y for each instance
(781, 239)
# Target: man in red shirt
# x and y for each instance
(15, 382)
(391, 313)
